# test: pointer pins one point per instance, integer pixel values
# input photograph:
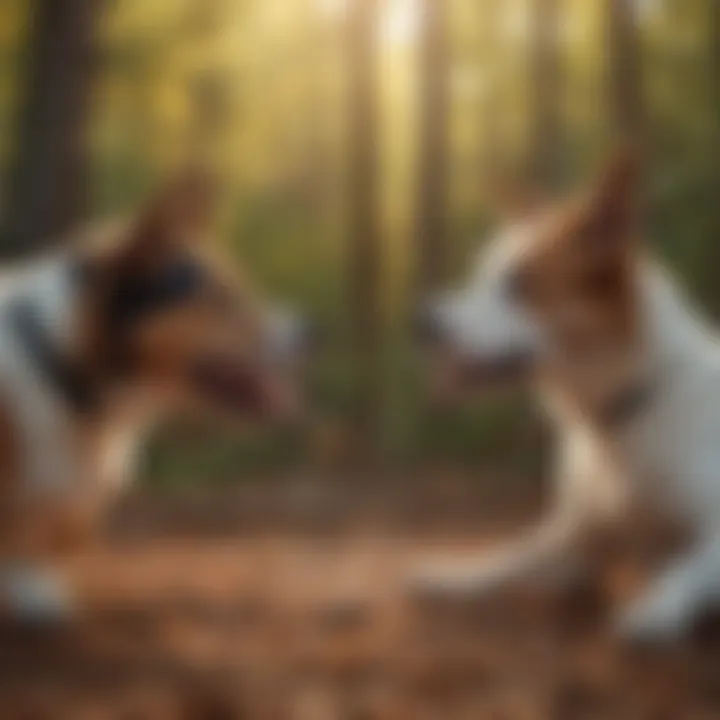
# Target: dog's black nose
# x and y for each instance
(427, 328)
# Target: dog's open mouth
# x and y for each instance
(472, 371)
(245, 389)
(455, 375)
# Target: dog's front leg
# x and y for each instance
(37, 534)
(666, 610)
(32, 586)
(583, 495)
(35, 592)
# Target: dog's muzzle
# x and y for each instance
(466, 368)
(292, 338)
(510, 365)
(428, 329)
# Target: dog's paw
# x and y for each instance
(653, 622)
(36, 596)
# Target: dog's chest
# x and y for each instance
(650, 469)
(672, 453)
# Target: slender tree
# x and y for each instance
(489, 97)
(624, 82)
(544, 155)
(713, 208)
(47, 180)
(714, 74)
(364, 235)
(208, 88)
(714, 92)
(431, 210)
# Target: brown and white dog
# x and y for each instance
(98, 341)
(628, 372)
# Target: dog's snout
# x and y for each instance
(311, 335)
(293, 336)
(427, 327)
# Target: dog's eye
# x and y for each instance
(179, 282)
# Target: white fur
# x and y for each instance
(670, 452)
(44, 425)
(35, 594)
(57, 466)
(285, 334)
(484, 319)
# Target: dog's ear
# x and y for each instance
(514, 197)
(179, 214)
(613, 205)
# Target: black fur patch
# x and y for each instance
(69, 379)
(138, 296)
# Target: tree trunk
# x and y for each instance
(208, 87)
(714, 75)
(431, 210)
(624, 71)
(364, 253)
(47, 182)
(713, 208)
(544, 157)
(714, 92)
(490, 158)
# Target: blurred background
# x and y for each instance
(359, 142)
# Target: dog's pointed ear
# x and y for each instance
(514, 197)
(180, 213)
(614, 202)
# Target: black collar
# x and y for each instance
(66, 376)
(627, 404)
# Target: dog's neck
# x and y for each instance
(45, 306)
(674, 330)
(673, 339)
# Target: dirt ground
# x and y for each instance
(233, 619)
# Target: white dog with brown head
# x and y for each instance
(628, 372)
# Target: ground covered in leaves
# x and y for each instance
(196, 611)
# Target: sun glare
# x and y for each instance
(400, 22)
(332, 8)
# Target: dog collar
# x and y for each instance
(628, 403)
(68, 378)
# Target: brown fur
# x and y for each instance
(578, 276)
(219, 324)
(9, 461)
(579, 279)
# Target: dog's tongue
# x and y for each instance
(250, 389)
(237, 386)
(452, 378)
